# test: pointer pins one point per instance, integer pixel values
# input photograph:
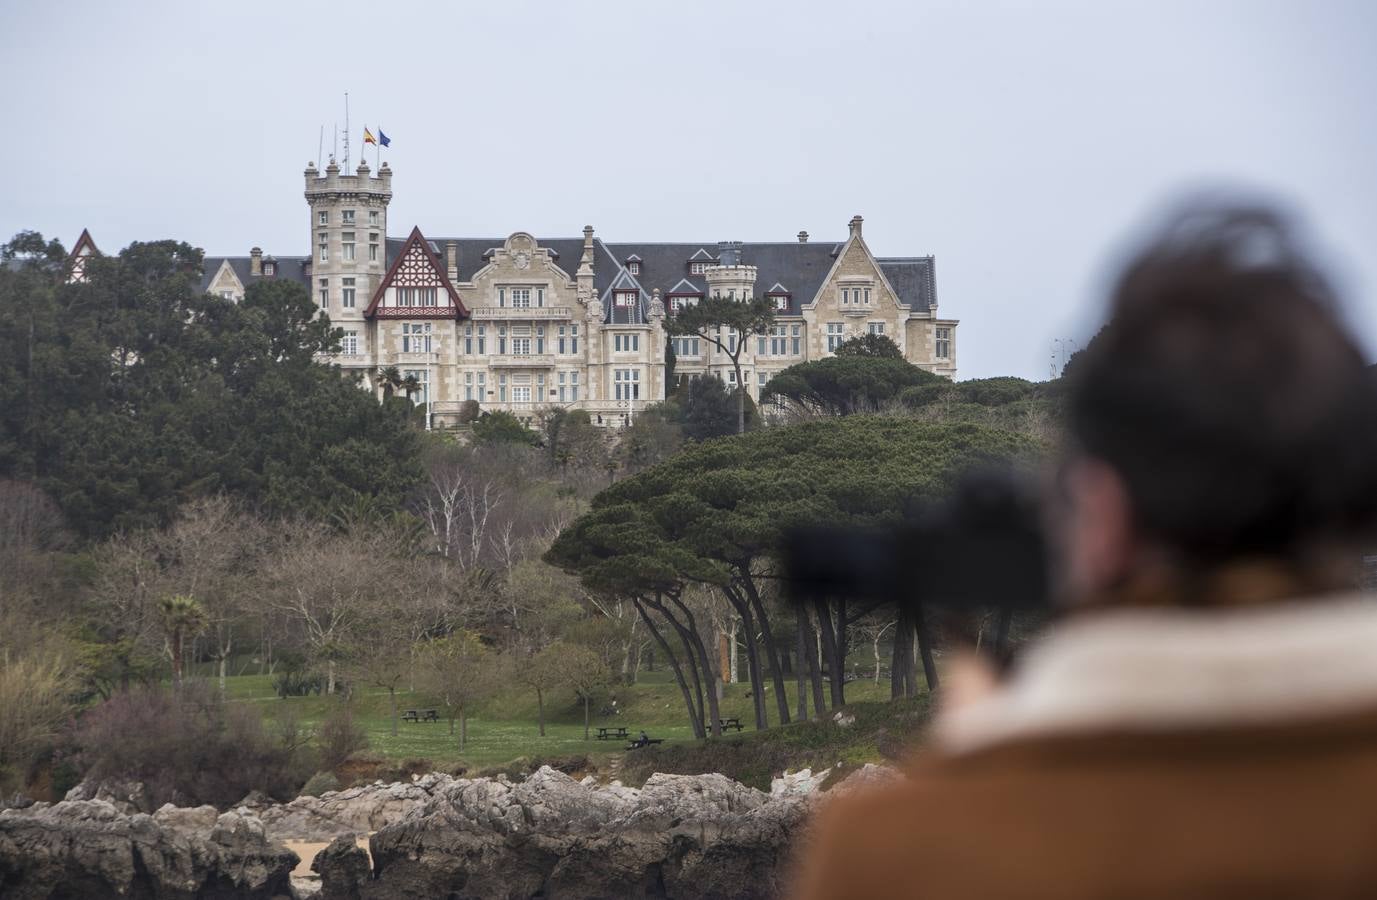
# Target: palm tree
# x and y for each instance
(390, 380)
(181, 615)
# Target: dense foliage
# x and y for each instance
(845, 385)
(129, 394)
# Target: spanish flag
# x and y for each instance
(368, 136)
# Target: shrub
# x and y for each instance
(338, 736)
(33, 704)
(320, 783)
(298, 684)
(188, 747)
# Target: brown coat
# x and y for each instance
(1238, 810)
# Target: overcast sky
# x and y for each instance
(1018, 142)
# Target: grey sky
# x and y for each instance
(1018, 142)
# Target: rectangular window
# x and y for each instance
(347, 216)
(563, 398)
(540, 386)
(482, 341)
(468, 385)
(626, 343)
(501, 340)
(634, 268)
(482, 384)
(521, 394)
(760, 379)
(798, 334)
(834, 336)
(521, 346)
(409, 296)
(540, 340)
(779, 342)
(348, 246)
(561, 342)
(501, 296)
(697, 268)
(540, 297)
(502, 387)
(573, 339)
(324, 293)
(686, 346)
(323, 239)
(760, 345)
(627, 383)
(781, 302)
(372, 248)
(846, 297)
(323, 217)
(347, 294)
(227, 295)
(468, 340)
(521, 298)
(626, 299)
(372, 217)
(877, 327)
(867, 296)
(573, 387)
(415, 337)
(731, 340)
(943, 342)
(349, 344)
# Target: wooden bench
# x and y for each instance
(644, 742)
(727, 724)
(605, 734)
(421, 715)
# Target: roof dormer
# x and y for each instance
(633, 264)
(699, 262)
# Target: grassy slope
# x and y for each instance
(505, 728)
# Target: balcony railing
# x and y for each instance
(522, 361)
(522, 312)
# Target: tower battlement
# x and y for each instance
(360, 184)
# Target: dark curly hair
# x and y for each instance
(1229, 396)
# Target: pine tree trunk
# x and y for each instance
(392, 702)
(585, 717)
(925, 651)
(540, 710)
(695, 720)
(463, 727)
(800, 677)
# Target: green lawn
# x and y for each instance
(505, 728)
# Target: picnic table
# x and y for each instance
(421, 715)
(615, 731)
(727, 724)
(644, 740)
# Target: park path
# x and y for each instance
(614, 767)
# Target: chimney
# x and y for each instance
(803, 237)
(728, 253)
(256, 261)
(452, 260)
(855, 225)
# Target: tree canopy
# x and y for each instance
(845, 385)
(741, 318)
(132, 392)
(868, 344)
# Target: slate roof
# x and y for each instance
(289, 268)
(802, 267)
(914, 279)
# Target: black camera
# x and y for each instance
(982, 548)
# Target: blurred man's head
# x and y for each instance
(1223, 417)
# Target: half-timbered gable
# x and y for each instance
(416, 286)
(82, 252)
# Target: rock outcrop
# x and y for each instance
(551, 836)
(89, 848)
(356, 810)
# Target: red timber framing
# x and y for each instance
(76, 260)
(416, 266)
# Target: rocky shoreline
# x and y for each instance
(547, 835)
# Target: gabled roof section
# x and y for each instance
(684, 288)
(82, 250)
(778, 288)
(633, 258)
(914, 280)
(414, 256)
(289, 268)
(624, 315)
(702, 256)
(84, 243)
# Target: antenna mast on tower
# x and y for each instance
(346, 131)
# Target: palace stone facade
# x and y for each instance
(521, 323)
